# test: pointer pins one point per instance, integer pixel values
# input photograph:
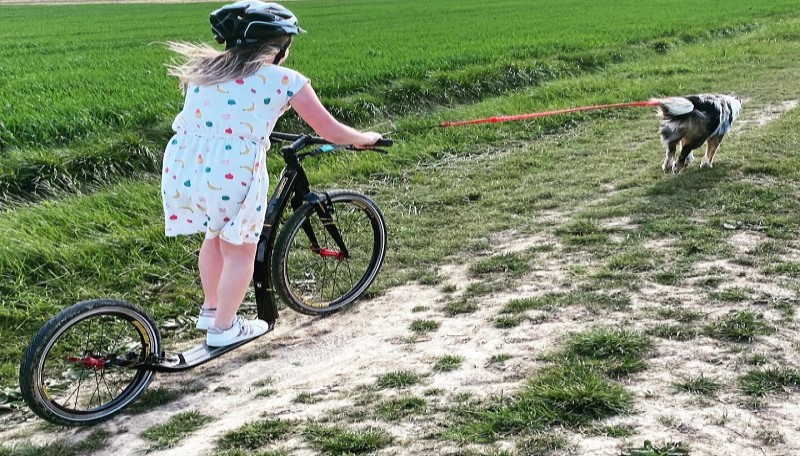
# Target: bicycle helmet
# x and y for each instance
(247, 23)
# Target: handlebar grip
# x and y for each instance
(384, 142)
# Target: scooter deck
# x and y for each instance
(195, 356)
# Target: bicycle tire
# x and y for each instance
(45, 382)
(300, 276)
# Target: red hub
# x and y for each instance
(328, 253)
(89, 361)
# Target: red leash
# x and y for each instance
(549, 113)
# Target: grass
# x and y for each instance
(616, 352)
(424, 326)
(760, 382)
(567, 395)
(396, 409)
(700, 385)
(340, 441)
(179, 426)
(447, 363)
(256, 434)
(552, 301)
(739, 326)
(397, 379)
(97, 440)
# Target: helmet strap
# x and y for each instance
(282, 53)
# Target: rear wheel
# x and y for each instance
(316, 280)
(80, 368)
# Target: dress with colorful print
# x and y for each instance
(214, 178)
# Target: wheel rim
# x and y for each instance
(324, 278)
(79, 372)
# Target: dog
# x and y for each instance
(692, 120)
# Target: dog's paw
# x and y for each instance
(706, 164)
(668, 166)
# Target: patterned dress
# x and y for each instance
(214, 178)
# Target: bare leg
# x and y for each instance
(237, 271)
(713, 145)
(210, 265)
(669, 159)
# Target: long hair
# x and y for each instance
(203, 65)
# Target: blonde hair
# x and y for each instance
(203, 65)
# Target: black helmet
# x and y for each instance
(248, 22)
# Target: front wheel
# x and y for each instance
(321, 279)
(80, 368)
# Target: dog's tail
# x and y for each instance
(673, 107)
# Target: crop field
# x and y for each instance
(548, 289)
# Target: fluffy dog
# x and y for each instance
(690, 121)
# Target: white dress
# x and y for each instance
(214, 178)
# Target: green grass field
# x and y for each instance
(85, 114)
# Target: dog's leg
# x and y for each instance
(713, 145)
(685, 158)
(669, 159)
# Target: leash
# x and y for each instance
(499, 119)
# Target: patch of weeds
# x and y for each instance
(255, 434)
(449, 288)
(741, 326)
(267, 393)
(507, 321)
(429, 277)
(761, 382)
(506, 263)
(770, 437)
(179, 426)
(669, 277)
(306, 398)
(788, 268)
(700, 384)
(395, 409)
(97, 440)
(433, 392)
(541, 444)
(398, 379)
(731, 295)
(339, 441)
(263, 382)
(786, 308)
(678, 314)
(756, 359)
(258, 356)
(552, 301)
(420, 308)
(366, 398)
(634, 260)
(673, 332)
(569, 395)
(485, 288)
(583, 233)
(154, 397)
(615, 352)
(666, 449)
(460, 306)
(239, 452)
(615, 430)
(447, 363)
(424, 326)
(711, 282)
(499, 358)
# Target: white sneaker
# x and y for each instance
(241, 330)
(206, 318)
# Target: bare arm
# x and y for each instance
(308, 106)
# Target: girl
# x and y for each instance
(214, 176)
